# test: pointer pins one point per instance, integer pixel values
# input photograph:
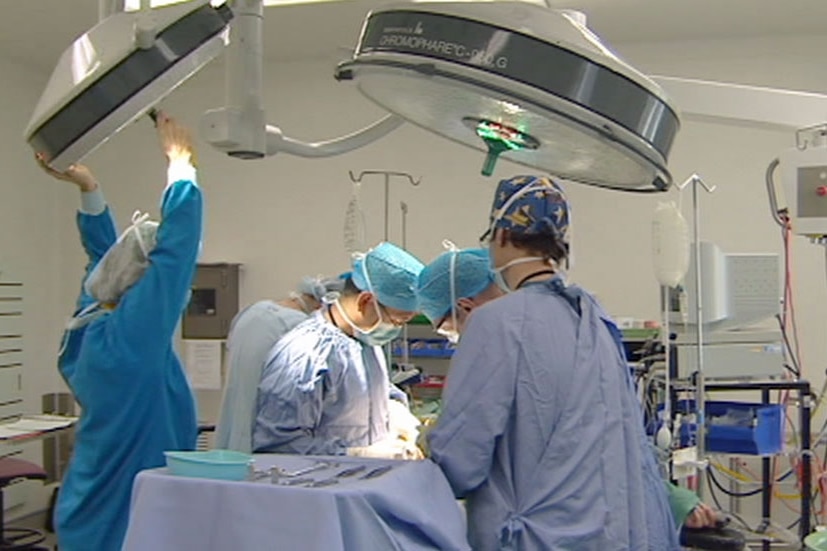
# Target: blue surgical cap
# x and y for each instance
(532, 205)
(318, 287)
(391, 275)
(472, 275)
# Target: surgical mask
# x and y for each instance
(498, 272)
(380, 334)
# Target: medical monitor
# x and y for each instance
(738, 290)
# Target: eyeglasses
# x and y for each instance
(485, 238)
(390, 318)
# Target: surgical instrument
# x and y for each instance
(379, 471)
(277, 473)
(351, 472)
(323, 483)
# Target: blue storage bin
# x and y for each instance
(763, 437)
(425, 348)
(216, 464)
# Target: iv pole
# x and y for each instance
(387, 174)
(405, 350)
(700, 434)
(414, 182)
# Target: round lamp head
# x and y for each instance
(521, 81)
(105, 80)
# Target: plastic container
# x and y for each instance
(763, 436)
(215, 464)
(816, 541)
(429, 389)
(426, 348)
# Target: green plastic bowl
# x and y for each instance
(215, 464)
(817, 541)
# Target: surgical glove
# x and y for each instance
(402, 422)
(422, 440)
(390, 448)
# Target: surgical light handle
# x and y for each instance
(277, 142)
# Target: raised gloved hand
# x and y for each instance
(402, 422)
(76, 174)
(389, 448)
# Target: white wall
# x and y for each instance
(29, 251)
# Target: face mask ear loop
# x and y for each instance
(452, 273)
(364, 258)
(137, 220)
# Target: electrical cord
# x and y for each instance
(795, 368)
(720, 508)
(730, 493)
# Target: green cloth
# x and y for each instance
(681, 501)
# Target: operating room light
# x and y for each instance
(592, 118)
(117, 71)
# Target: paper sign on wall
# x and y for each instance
(203, 363)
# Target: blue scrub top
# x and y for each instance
(253, 333)
(542, 432)
(135, 399)
(322, 392)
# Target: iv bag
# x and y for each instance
(354, 232)
(670, 245)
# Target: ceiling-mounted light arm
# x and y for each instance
(277, 142)
(146, 27)
(239, 128)
(109, 7)
(765, 107)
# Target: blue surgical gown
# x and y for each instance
(542, 433)
(134, 396)
(253, 333)
(322, 392)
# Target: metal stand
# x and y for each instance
(406, 356)
(696, 181)
(414, 182)
(387, 174)
(804, 414)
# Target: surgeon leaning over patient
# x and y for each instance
(459, 281)
(117, 355)
(325, 388)
(541, 430)
(253, 333)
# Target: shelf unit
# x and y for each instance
(11, 375)
(804, 393)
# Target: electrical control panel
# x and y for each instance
(214, 302)
(804, 174)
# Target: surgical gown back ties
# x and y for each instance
(134, 396)
(253, 333)
(322, 392)
(542, 433)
